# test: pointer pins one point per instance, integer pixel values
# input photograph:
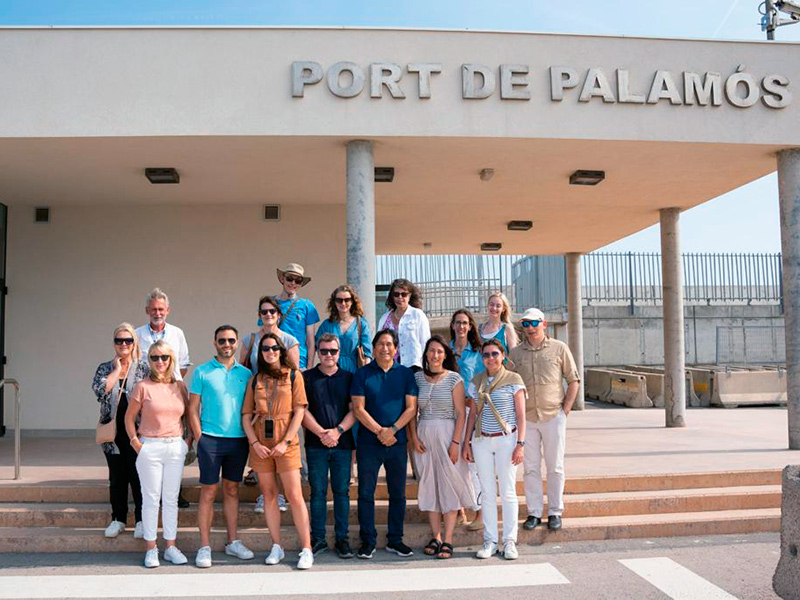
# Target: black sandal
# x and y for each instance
(433, 547)
(445, 551)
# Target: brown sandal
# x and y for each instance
(433, 547)
(445, 551)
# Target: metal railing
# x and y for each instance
(17, 429)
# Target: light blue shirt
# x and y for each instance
(221, 393)
(470, 363)
(295, 321)
(348, 341)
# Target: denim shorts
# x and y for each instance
(227, 454)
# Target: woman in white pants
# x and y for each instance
(496, 428)
(161, 401)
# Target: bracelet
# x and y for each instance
(254, 442)
(455, 442)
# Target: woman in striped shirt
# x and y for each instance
(444, 485)
(497, 418)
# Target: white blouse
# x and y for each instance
(413, 332)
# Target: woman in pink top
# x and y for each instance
(161, 401)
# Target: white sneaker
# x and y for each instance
(239, 550)
(275, 555)
(259, 507)
(151, 558)
(489, 549)
(138, 531)
(510, 551)
(306, 560)
(283, 505)
(175, 556)
(114, 529)
(203, 558)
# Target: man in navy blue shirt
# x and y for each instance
(384, 401)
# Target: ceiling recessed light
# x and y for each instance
(162, 175)
(384, 174)
(581, 177)
(491, 246)
(519, 225)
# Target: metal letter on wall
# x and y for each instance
(732, 85)
(356, 79)
(562, 78)
(424, 70)
(776, 94)
(596, 84)
(664, 87)
(703, 92)
(304, 72)
(385, 74)
(513, 82)
(471, 91)
(624, 89)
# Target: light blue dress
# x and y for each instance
(348, 341)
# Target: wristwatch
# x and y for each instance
(394, 428)
(340, 429)
(521, 443)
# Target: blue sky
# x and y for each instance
(745, 220)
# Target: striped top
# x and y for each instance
(436, 399)
(503, 400)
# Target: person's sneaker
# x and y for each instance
(510, 551)
(319, 546)
(175, 556)
(275, 555)
(182, 502)
(400, 549)
(151, 558)
(283, 505)
(366, 551)
(477, 524)
(531, 523)
(306, 560)
(203, 558)
(138, 531)
(489, 549)
(239, 550)
(343, 549)
(554, 522)
(114, 529)
(259, 507)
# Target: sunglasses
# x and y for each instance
(343, 300)
(274, 348)
(123, 341)
(400, 294)
(293, 279)
(160, 358)
(268, 311)
(527, 323)
(493, 354)
(328, 351)
(223, 341)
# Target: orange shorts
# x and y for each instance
(290, 461)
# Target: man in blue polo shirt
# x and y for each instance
(216, 397)
(384, 401)
(299, 314)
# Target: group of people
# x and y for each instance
(467, 411)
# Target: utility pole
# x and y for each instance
(769, 17)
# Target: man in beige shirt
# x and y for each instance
(544, 364)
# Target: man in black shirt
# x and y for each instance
(329, 444)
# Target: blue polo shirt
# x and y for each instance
(222, 395)
(296, 319)
(385, 397)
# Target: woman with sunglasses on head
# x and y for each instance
(499, 324)
(112, 384)
(436, 437)
(269, 315)
(496, 434)
(274, 405)
(406, 318)
(160, 402)
(346, 321)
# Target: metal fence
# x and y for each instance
(750, 345)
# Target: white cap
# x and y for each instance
(533, 314)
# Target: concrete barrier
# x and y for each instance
(786, 580)
(617, 387)
(702, 384)
(655, 385)
(737, 388)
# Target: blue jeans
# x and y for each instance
(320, 461)
(394, 459)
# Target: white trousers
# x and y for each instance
(493, 458)
(160, 468)
(548, 439)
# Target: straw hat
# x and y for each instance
(296, 269)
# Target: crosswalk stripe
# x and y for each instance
(205, 584)
(676, 581)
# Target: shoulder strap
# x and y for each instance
(247, 361)
(288, 312)
(358, 345)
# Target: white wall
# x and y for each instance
(73, 280)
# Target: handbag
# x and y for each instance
(361, 356)
(107, 432)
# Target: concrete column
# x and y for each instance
(674, 348)
(361, 224)
(575, 317)
(789, 193)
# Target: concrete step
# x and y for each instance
(576, 505)
(96, 491)
(87, 539)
